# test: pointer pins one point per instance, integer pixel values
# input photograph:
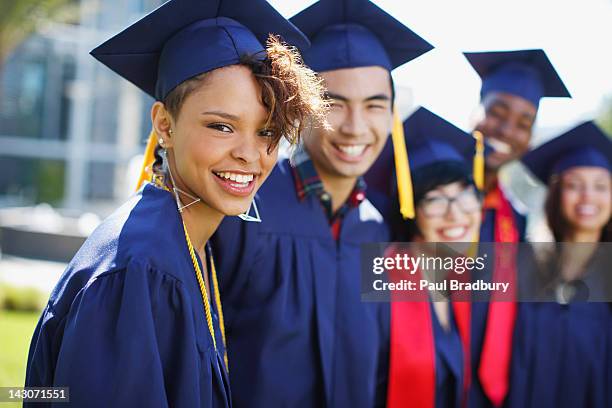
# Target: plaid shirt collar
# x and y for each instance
(308, 182)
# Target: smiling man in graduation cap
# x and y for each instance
(513, 82)
(297, 329)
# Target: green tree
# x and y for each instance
(20, 18)
(604, 119)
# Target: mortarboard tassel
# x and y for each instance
(479, 161)
(402, 169)
(472, 251)
(146, 171)
(478, 174)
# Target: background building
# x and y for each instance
(69, 127)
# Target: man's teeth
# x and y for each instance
(586, 209)
(352, 150)
(455, 232)
(239, 178)
(499, 146)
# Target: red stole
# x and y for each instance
(412, 361)
(494, 367)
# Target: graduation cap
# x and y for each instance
(584, 145)
(430, 139)
(433, 139)
(185, 38)
(356, 33)
(525, 73)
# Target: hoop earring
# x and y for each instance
(246, 217)
(176, 190)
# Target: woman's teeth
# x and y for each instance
(454, 232)
(586, 210)
(500, 146)
(352, 150)
(238, 178)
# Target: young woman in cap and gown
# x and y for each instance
(136, 319)
(563, 346)
(295, 316)
(429, 356)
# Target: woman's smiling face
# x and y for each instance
(449, 213)
(219, 147)
(586, 198)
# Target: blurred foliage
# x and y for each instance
(23, 299)
(20, 18)
(17, 329)
(34, 180)
(50, 181)
(604, 119)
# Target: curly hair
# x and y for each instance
(291, 92)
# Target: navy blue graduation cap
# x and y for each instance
(428, 139)
(432, 139)
(584, 145)
(184, 38)
(356, 33)
(526, 73)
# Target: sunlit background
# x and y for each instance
(71, 131)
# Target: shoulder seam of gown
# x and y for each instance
(144, 263)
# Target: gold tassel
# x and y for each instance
(478, 174)
(146, 171)
(479, 163)
(473, 249)
(402, 169)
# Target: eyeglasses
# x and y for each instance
(468, 201)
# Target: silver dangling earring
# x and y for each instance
(176, 190)
(246, 217)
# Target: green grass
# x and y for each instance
(16, 330)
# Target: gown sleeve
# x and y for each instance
(127, 339)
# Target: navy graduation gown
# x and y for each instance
(126, 326)
(449, 363)
(562, 353)
(298, 333)
(477, 397)
(608, 365)
(560, 356)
